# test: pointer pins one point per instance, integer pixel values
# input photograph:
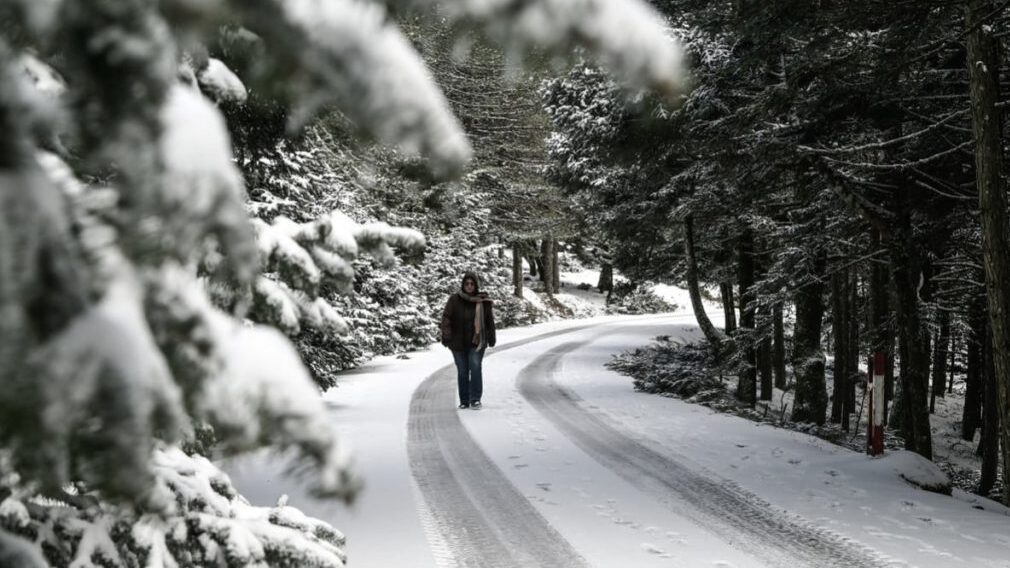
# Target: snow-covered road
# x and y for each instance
(567, 466)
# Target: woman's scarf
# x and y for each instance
(478, 318)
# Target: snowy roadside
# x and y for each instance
(850, 494)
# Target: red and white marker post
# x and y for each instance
(875, 425)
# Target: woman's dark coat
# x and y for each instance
(457, 323)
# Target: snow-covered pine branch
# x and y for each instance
(627, 37)
(302, 254)
(210, 525)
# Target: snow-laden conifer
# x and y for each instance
(137, 298)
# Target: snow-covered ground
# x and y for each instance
(616, 477)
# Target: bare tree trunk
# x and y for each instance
(746, 389)
(839, 338)
(852, 364)
(779, 347)
(728, 307)
(973, 382)
(547, 258)
(811, 402)
(765, 356)
(556, 269)
(983, 71)
(988, 445)
(953, 360)
(606, 282)
(908, 273)
(712, 334)
(940, 347)
(915, 363)
(517, 269)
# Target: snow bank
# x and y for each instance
(914, 469)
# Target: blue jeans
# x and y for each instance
(469, 378)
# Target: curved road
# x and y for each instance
(483, 520)
(478, 514)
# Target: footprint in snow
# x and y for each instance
(652, 549)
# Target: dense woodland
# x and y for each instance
(835, 171)
(839, 161)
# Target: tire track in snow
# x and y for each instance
(481, 518)
(742, 519)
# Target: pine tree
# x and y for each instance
(131, 273)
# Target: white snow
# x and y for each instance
(608, 520)
(627, 36)
(220, 83)
(914, 469)
(45, 79)
(195, 145)
(378, 79)
(265, 393)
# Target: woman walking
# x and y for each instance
(468, 329)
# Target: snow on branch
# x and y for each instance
(303, 255)
(203, 193)
(220, 83)
(103, 384)
(626, 36)
(246, 381)
(350, 55)
(207, 524)
(265, 396)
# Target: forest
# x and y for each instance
(211, 210)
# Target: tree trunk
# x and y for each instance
(746, 389)
(983, 72)
(811, 402)
(779, 347)
(728, 307)
(547, 260)
(852, 364)
(556, 269)
(606, 282)
(840, 337)
(988, 445)
(517, 269)
(953, 361)
(940, 347)
(712, 334)
(906, 269)
(765, 356)
(973, 384)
